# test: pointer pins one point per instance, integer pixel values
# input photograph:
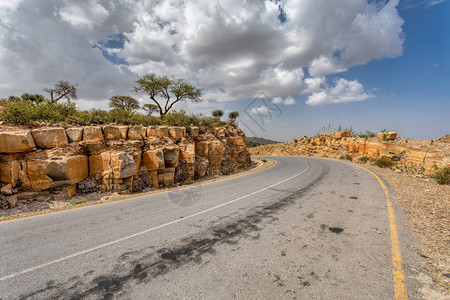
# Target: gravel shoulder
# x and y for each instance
(427, 206)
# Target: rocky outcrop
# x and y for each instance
(422, 155)
(59, 163)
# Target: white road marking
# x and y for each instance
(145, 231)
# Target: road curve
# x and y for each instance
(306, 228)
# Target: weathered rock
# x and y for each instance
(136, 133)
(176, 132)
(7, 189)
(188, 153)
(154, 177)
(50, 137)
(195, 131)
(387, 135)
(75, 134)
(99, 165)
(9, 172)
(93, 134)
(45, 174)
(125, 164)
(171, 156)
(166, 179)
(153, 160)
(12, 200)
(115, 132)
(16, 141)
(201, 148)
(158, 131)
(66, 193)
(342, 134)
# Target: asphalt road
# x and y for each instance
(306, 228)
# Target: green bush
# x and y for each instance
(363, 159)
(349, 157)
(384, 162)
(442, 176)
(19, 112)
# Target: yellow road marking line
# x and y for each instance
(397, 267)
(223, 178)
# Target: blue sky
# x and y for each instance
(289, 67)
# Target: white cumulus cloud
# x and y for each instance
(344, 91)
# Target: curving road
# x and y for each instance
(306, 228)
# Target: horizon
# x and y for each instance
(288, 67)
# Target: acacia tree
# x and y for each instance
(232, 116)
(126, 103)
(150, 108)
(166, 92)
(62, 89)
(218, 113)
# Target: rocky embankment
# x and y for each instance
(56, 163)
(423, 156)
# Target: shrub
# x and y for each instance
(363, 159)
(264, 160)
(384, 162)
(314, 144)
(348, 157)
(77, 201)
(19, 112)
(442, 176)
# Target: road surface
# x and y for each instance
(306, 228)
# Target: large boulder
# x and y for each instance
(16, 141)
(93, 134)
(136, 133)
(188, 153)
(171, 156)
(115, 132)
(100, 165)
(195, 131)
(125, 164)
(50, 137)
(9, 172)
(75, 134)
(176, 132)
(158, 131)
(201, 148)
(153, 160)
(52, 173)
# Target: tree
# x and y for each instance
(126, 103)
(62, 89)
(150, 108)
(232, 116)
(217, 113)
(166, 92)
(36, 98)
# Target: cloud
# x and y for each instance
(84, 14)
(289, 101)
(277, 100)
(344, 91)
(260, 110)
(231, 49)
(426, 3)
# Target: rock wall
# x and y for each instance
(57, 163)
(428, 155)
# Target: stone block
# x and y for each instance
(75, 134)
(16, 141)
(93, 134)
(50, 137)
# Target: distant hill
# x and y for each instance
(256, 141)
